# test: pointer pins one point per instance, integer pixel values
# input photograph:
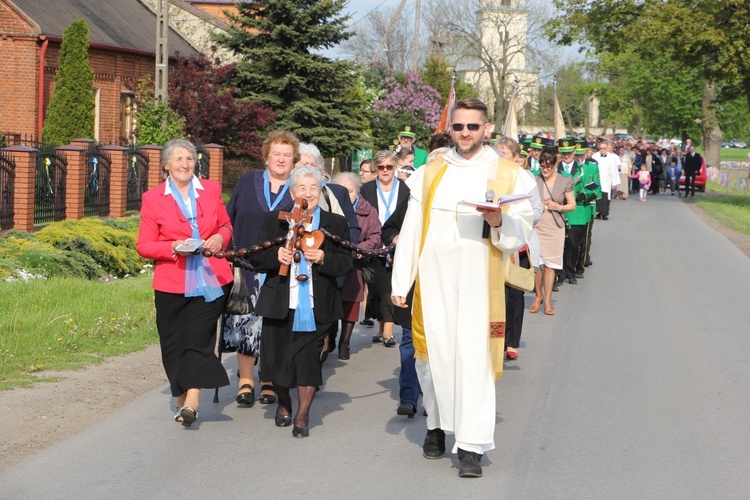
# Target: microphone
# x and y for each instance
(489, 197)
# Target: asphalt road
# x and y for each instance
(638, 387)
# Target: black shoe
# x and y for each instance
(367, 322)
(579, 276)
(246, 398)
(554, 287)
(344, 352)
(377, 339)
(267, 399)
(407, 409)
(283, 420)
(434, 444)
(300, 432)
(572, 281)
(606, 217)
(588, 264)
(389, 342)
(469, 464)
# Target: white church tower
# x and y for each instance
(500, 55)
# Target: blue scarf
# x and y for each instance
(304, 319)
(200, 280)
(267, 192)
(387, 203)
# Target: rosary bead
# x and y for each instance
(266, 245)
(255, 249)
(230, 254)
(207, 253)
(297, 256)
(389, 260)
(242, 252)
(278, 240)
(298, 244)
(345, 244)
(302, 277)
(219, 254)
(300, 230)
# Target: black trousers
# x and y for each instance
(690, 183)
(602, 206)
(586, 254)
(514, 309)
(574, 246)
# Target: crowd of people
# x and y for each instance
(432, 261)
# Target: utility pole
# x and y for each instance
(162, 52)
(388, 31)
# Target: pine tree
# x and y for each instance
(70, 114)
(313, 96)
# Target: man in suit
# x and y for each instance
(693, 163)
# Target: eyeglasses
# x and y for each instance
(386, 167)
(473, 127)
(365, 171)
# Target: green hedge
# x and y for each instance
(89, 248)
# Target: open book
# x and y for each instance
(497, 205)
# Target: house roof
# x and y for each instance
(127, 24)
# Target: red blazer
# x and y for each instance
(162, 223)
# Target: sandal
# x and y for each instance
(189, 415)
(246, 398)
(389, 342)
(535, 307)
(377, 339)
(178, 416)
(267, 399)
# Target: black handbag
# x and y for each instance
(239, 296)
(368, 273)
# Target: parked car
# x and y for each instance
(734, 143)
(700, 179)
(621, 136)
(676, 141)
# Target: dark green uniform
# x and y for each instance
(586, 190)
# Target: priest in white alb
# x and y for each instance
(458, 322)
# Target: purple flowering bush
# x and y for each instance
(403, 99)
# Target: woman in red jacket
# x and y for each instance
(178, 217)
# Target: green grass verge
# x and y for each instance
(66, 324)
(729, 209)
(732, 154)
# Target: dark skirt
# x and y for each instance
(381, 289)
(292, 358)
(187, 334)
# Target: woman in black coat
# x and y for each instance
(297, 313)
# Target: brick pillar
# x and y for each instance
(24, 159)
(75, 183)
(216, 165)
(118, 180)
(82, 143)
(154, 169)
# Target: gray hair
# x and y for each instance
(382, 156)
(312, 150)
(351, 177)
(168, 150)
(298, 172)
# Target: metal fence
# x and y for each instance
(137, 177)
(49, 192)
(96, 192)
(7, 182)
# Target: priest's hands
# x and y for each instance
(399, 301)
(493, 217)
(285, 256)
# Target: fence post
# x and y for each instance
(25, 186)
(216, 162)
(154, 167)
(118, 180)
(75, 184)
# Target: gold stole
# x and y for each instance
(503, 183)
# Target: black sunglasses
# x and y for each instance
(473, 127)
(386, 167)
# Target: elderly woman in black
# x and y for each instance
(297, 311)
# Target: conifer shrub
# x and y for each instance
(70, 113)
(112, 248)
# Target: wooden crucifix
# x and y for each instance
(296, 219)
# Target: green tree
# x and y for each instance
(313, 96)
(70, 114)
(437, 75)
(708, 36)
(156, 123)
